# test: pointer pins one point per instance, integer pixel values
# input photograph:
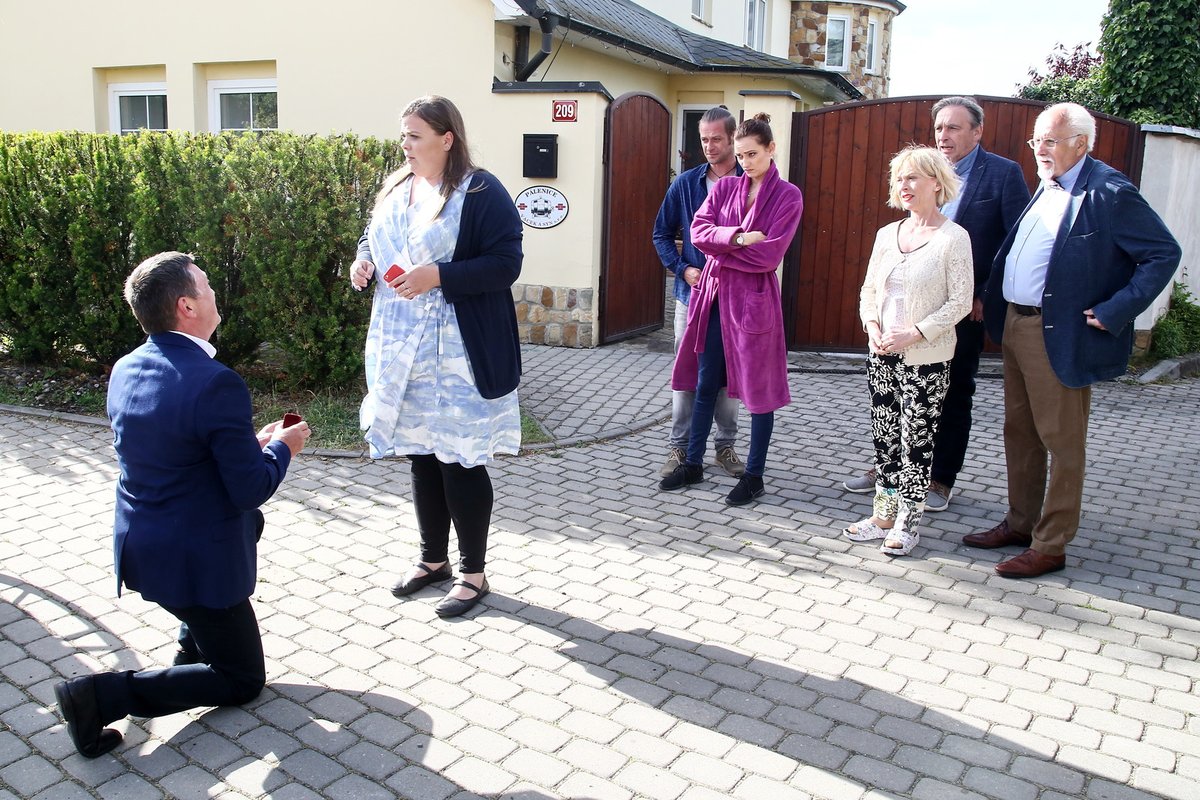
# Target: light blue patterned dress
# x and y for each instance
(421, 396)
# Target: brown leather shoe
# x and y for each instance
(1030, 564)
(999, 536)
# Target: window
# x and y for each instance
(243, 105)
(872, 48)
(756, 23)
(837, 43)
(702, 11)
(137, 106)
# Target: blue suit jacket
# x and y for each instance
(684, 197)
(192, 476)
(996, 195)
(1114, 255)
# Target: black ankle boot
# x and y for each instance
(684, 475)
(748, 487)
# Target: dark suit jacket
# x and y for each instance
(192, 476)
(996, 195)
(1114, 255)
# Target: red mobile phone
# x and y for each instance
(394, 271)
(290, 419)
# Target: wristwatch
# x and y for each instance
(739, 240)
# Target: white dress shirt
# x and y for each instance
(1029, 257)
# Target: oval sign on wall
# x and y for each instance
(542, 206)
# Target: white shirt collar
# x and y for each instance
(204, 345)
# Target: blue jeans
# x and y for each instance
(710, 379)
(682, 403)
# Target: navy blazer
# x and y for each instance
(478, 280)
(995, 196)
(192, 476)
(1113, 254)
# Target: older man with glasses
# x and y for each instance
(1088, 256)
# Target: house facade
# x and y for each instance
(510, 65)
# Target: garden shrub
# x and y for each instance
(272, 219)
(1178, 332)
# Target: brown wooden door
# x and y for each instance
(840, 161)
(636, 152)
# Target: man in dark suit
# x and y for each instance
(992, 198)
(1088, 256)
(193, 474)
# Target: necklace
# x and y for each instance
(723, 174)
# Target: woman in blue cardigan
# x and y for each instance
(442, 355)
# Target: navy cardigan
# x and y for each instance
(478, 281)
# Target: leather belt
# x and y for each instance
(1026, 311)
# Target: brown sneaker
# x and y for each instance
(937, 498)
(676, 458)
(728, 460)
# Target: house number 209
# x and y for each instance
(565, 111)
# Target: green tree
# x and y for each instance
(1151, 52)
(1070, 76)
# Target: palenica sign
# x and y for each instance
(542, 206)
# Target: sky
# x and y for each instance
(984, 46)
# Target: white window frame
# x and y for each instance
(118, 90)
(235, 86)
(845, 65)
(756, 24)
(702, 11)
(872, 66)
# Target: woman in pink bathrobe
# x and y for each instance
(734, 336)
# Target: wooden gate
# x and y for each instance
(636, 151)
(840, 160)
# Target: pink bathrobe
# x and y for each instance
(743, 279)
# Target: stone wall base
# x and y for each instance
(555, 315)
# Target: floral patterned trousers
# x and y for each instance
(906, 402)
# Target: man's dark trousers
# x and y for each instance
(234, 674)
(954, 425)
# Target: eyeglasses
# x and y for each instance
(1051, 143)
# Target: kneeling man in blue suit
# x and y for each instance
(193, 474)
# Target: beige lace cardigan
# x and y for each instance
(938, 286)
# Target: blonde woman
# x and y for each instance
(919, 285)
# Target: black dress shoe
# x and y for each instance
(77, 702)
(403, 587)
(184, 657)
(684, 475)
(453, 607)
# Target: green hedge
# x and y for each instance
(272, 219)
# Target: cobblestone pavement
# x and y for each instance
(637, 643)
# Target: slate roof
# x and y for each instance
(629, 26)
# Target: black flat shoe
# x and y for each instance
(77, 702)
(453, 607)
(403, 587)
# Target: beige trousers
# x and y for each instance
(1044, 421)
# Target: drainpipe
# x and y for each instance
(547, 22)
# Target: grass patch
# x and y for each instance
(55, 389)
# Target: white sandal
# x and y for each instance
(865, 531)
(906, 539)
